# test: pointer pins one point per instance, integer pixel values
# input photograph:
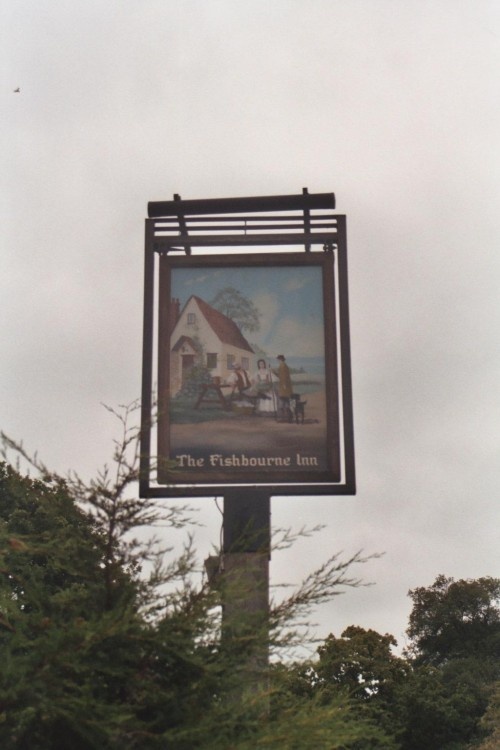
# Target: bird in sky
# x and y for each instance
(17, 91)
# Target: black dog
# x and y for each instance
(297, 408)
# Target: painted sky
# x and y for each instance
(289, 300)
(392, 105)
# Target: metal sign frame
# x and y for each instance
(184, 237)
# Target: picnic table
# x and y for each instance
(211, 393)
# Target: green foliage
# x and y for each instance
(107, 641)
(441, 695)
(238, 308)
(362, 661)
(110, 642)
(298, 688)
(52, 583)
(490, 721)
(437, 715)
(94, 653)
(197, 375)
(453, 619)
(454, 631)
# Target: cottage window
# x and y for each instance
(245, 363)
(191, 319)
(230, 361)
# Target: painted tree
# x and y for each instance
(238, 308)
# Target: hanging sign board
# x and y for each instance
(252, 374)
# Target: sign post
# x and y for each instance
(246, 327)
(245, 583)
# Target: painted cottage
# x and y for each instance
(201, 335)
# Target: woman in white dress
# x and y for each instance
(263, 380)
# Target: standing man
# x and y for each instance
(285, 388)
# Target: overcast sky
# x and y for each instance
(393, 105)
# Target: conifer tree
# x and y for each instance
(110, 641)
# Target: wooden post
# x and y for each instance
(245, 584)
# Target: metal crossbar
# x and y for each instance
(182, 225)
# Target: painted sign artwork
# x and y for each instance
(247, 379)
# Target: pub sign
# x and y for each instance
(251, 360)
